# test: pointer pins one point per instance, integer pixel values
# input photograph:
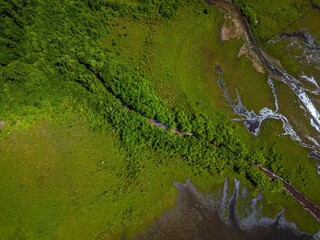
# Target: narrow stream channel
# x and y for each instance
(252, 120)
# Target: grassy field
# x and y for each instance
(178, 58)
(289, 56)
(269, 18)
(63, 178)
(70, 183)
(153, 46)
(52, 179)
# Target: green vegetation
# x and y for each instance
(105, 78)
(75, 159)
(269, 18)
(73, 183)
(289, 161)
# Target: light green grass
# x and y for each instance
(269, 18)
(66, 182)
(178, 58)
(70, 183)
(170, 54)
(294, 158)
(287, 56)
(50, 175)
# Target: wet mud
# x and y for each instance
(201, 216)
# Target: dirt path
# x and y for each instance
(303, 200)
(276, 71)
(271, 64)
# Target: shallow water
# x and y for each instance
(198, 216)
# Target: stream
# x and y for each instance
(252, 120)
(206, 217)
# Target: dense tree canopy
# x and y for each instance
(51, 55)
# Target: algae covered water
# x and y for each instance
(199, 216)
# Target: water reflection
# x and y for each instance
(198, 216)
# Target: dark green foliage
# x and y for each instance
(14, 17)
(133, 89)
(53, 64)
(54, 60)
(168, 8)
(274, 161)
(261, 181)
(240, 166)
(183, 121)
(249, 12)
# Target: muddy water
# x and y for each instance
(198, 216)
